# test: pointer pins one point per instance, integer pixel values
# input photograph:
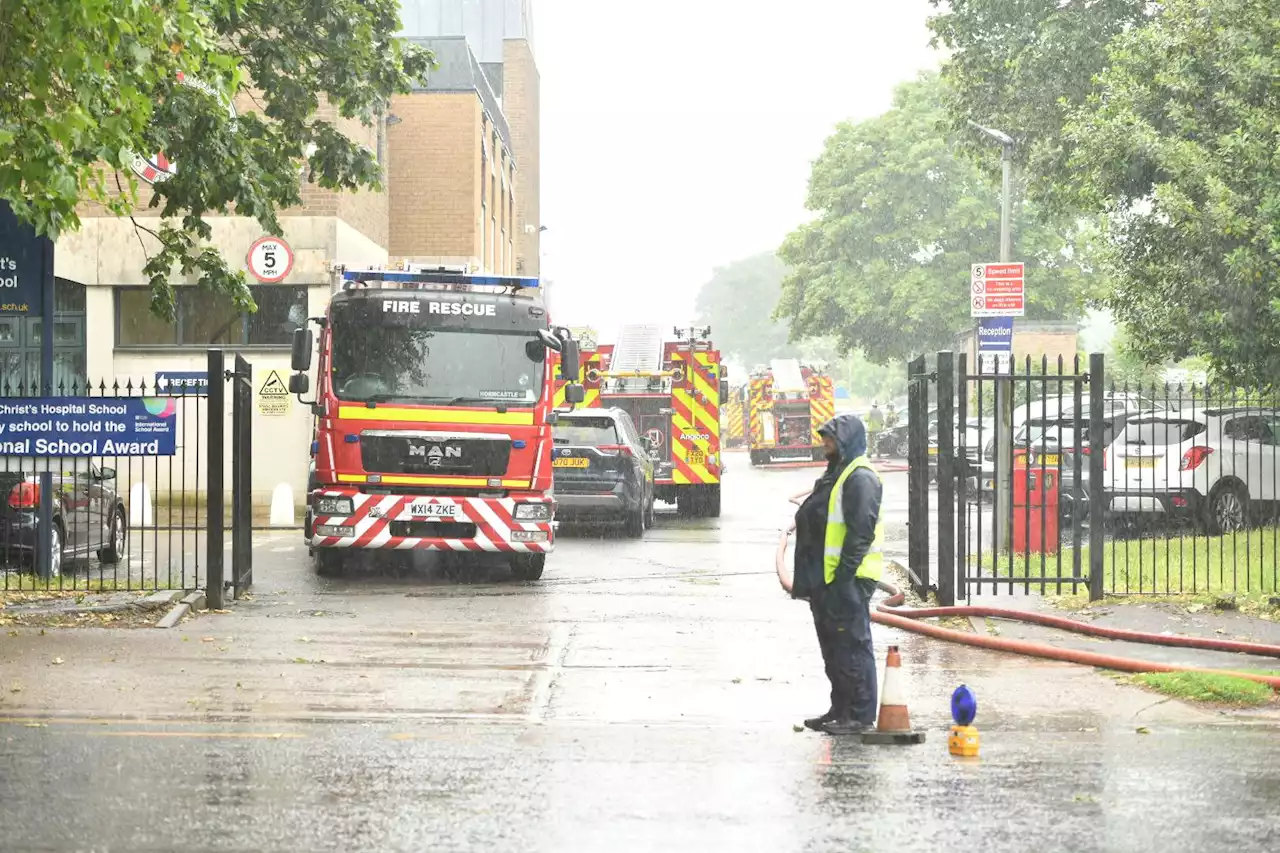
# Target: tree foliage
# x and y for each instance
(1021, 66)
(85, 83)
(1179, 147)
(902, 215)
(737, 303)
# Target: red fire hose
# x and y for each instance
(890, 612)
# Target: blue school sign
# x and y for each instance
(24, 257)
(88, 426)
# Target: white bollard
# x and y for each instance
(140, 506)
(282, 506)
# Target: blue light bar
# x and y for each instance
(428, 277)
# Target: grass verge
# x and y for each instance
(1207, 687)
(1246, 563)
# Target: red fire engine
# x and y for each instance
(671, 388)
(434, 391)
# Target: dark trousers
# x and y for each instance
(842, 617)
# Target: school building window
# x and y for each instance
(207, 319)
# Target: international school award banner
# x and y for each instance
(88, 426)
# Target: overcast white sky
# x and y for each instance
(677, 135)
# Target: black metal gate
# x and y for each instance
(918, 476)
(241, 382)
(1026, 427)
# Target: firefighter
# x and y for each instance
(837, 565)
(875, 424)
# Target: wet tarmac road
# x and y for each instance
(641, 697)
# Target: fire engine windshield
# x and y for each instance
(436, 366)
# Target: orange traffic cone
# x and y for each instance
(894, 723)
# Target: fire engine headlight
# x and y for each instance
(533, 512)
(334, 506)
(336, 531)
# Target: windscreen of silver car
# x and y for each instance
(586, 432)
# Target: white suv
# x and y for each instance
(1214, 466)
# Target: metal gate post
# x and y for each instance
(947, 472)
(214, 579)
(962, 485)
(1097, 491)
(241, 478)
(918, 477)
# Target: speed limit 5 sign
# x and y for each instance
(270, 259)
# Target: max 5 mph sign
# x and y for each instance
(997, 290)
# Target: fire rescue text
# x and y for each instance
(414, 306)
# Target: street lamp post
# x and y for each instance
(1004, 390)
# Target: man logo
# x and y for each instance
(435, 454)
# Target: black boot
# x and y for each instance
(816, 723)
(844, 725)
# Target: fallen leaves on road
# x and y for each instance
(1143, 730)
(57, 662)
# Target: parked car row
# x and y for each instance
(1215, 467)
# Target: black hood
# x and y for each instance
(850, 435)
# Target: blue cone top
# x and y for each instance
(964, 706)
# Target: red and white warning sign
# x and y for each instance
(998, 290)
(270, 259)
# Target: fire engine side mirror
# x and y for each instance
(301, 355)
(574, 394)
(570, 368)
(299, 383)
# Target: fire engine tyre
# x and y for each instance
(634, 522)
(528, 567)
(711, 502)
(1228, 508)
(330, 562)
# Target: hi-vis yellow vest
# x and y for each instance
(872, 565)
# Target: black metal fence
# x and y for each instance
(1191, 489)
(1124, 490)
(121, 522)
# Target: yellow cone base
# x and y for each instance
(963, 741)
(879, 738)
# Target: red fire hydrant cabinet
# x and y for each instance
(1035, 503)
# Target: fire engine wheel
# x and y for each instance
(528, 567)
(711, 502)
(330, 562)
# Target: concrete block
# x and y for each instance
(174, 616)
(140, 510)
(195, 600)
(282, 506)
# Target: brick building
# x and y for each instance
(465, 181)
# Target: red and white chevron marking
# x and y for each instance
(493, 517)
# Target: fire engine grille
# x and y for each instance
(433, 529)
(426, 453)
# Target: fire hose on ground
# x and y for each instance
(891, 612)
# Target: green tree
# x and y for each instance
(1178, 147)
(737, 303)
(885, 266)
(85, 83)
(1021, 66)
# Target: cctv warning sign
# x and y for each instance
(273, 396)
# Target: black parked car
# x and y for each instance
(89, 518)
(603, 469)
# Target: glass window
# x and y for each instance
(592, 432)
(207, 319)
(1159, 432)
